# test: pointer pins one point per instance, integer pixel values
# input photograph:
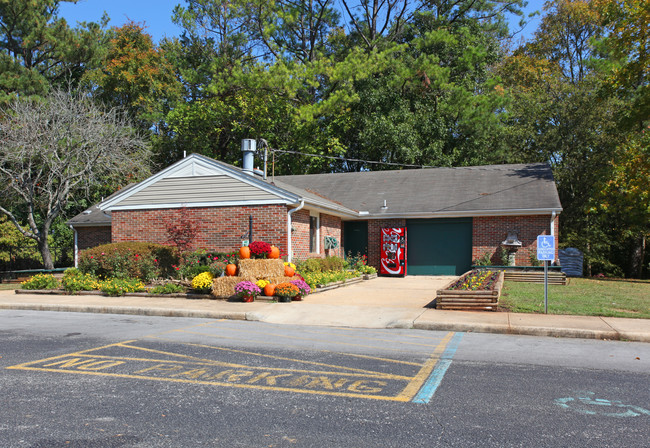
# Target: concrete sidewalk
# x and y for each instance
(378, 303)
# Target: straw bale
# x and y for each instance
(225, 286)
(283, 279)
(262, 268)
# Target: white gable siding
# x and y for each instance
(200, 189)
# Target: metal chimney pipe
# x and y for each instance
(248, 147)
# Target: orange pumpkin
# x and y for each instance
(275, 252)
(231, 270)
(269, 289)
(244, 252)
(289, 271)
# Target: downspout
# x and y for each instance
(76, 247)
(289, 249)
(553, 215)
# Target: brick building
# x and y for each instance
(452, 215)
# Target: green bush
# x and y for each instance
(167, 288)
(144, 261)
(74, 280)
(320, 264)
(484, 260)
(120, 286)
(41, 281)
(334, 263)
(309, 265)
(199, 261)
(355, 262)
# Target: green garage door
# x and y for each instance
(439, 246)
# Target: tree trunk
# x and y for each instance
(44, 248)
(638, 255)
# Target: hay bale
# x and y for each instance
(225, 286)
(283, 279)
(263, 268)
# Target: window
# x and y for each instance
(313, 234)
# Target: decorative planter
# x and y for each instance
(298, 298)
(248, 299)
(454, 299)
(284, 299)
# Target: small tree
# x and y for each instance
(54, 149)
(181, 231)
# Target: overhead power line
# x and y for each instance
(351, 160)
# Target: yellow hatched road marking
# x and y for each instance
(198, 371)
(263, 355)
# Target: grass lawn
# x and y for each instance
(6, 286)
(586, 297)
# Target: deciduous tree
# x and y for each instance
(56, 148)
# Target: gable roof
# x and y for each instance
(436, 192)
(199, 181)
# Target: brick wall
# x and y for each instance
(374, 237)
(300, 235)
(220, 228)
(329, 226)
(93, 236)
(489, 232)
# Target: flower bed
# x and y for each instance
(474, 290)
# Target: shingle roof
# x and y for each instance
(430, 192)
(93, 216)
(438, 191)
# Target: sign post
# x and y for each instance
(546, 253)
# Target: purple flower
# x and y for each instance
(247, 288)
(302, 286)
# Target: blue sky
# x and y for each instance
(156, 14)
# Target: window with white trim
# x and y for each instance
(314, 231)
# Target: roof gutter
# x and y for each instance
(291, 212)
(459, 214)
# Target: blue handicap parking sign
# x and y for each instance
(546, 247)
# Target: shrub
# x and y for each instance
(321, 264)
(199, 261)
(41, 281)
(309, 265)
(203, 282)
(167, 288)
(484, 260)
(74, 280)
(189, 271)
(355, 262)
(334, 263)
(120, 286)
(144, 261)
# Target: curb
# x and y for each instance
(535, 331)
(258, 316)
(161, 312)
